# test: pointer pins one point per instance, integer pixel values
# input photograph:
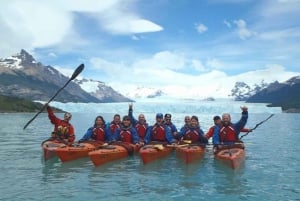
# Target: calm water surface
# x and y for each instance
(271, 170)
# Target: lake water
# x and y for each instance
(271, 170)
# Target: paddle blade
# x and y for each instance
(78, 70)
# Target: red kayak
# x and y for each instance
(49, 148)
(76, 151)
(231, 155)
(151, 153)
(190, 153)
(112, 152)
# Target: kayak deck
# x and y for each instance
(190, 153)
(233, 157)
(49, 148)
(76, 151)
(150, 153)
(110, 153)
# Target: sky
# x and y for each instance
(186, 48)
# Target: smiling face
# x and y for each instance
(67, 116)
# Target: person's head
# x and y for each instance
(226, 119)
(168, 118)
(67, 116)
(117, 118)
(142, 118)
(187, 120)
(194, 121)
(217, 120)
(126, 121)
(99, 121)
(159, 118)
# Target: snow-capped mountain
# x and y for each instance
(145, 92)
(101, 91)
(23, 77)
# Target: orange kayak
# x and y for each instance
(113, 152)
(233, 156)
(151, 153)
(76, 151)
(49, 148)
(190, 153)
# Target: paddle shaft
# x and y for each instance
(75, 74)
(257, 125)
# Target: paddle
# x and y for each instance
(257, 125)
(75, 74)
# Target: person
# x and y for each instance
(63, 129)
(228, 132)
(217, 122)
(187, 121)
(126, 133)
(172, 127)
(140, 125)
(159, 132)
(113, 125)
(193, 132)
(98, 132)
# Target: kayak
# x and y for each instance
(112, 152)
(190, 153)
(49, 148)
(76, 151)
(232, 155)
(150, 153)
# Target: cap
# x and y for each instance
(159, 115)
(216, 118)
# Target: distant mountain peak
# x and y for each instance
(26, 57)
(18, 61)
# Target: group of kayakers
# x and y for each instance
(137, 131)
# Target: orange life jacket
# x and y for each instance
(113, 127)
(62, 130)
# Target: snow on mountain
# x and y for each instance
(145, 92)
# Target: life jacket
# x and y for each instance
(158, 133)
(125, 135)
(191, 134)
(227, 133)
(98, 134)
(141, 129)
(170, 126)
(62, 130)
(113, 127)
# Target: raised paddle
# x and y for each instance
(75, 74)
(257, 125)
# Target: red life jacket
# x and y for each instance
(125, 136)
(141, 129)
(191, 135)
(113, 127)
(227, 134)
(158, 133)
(98, 134)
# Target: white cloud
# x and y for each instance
(201, 28)
(243, 31)
(37, 24)
(228, 24)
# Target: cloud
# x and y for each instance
(38, 24)
(201, 28)
(242, 29)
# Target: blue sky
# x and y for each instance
(191, 47)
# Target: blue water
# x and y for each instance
(271, 170)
